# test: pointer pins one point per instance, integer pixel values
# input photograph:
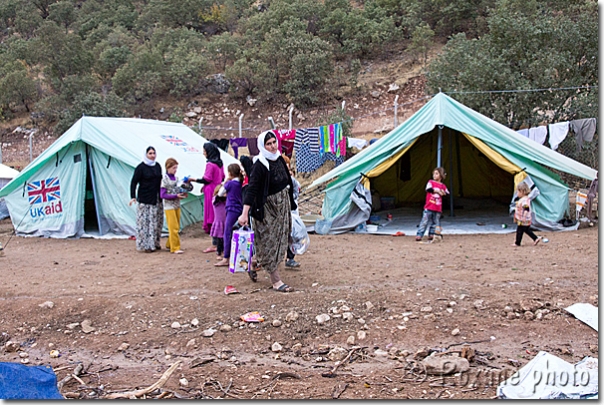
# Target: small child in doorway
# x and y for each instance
(523, 214)
(435, 190)
(234, 207)
(171, 196)
(217, 230)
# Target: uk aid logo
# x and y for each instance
(44, 198)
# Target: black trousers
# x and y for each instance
(524, 229)
(219, 243)
(290, 254)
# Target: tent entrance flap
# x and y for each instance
(473, 175)
(92, 221)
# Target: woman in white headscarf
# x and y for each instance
(150, 211)
(269, 200)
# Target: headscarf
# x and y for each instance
(213, 154)
(247, 163)
(146, 160)
(265, 155)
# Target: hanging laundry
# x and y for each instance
(557, 133)
(284, 134)
(324, 145)
(307, 162)
(287, 148)
(237, 143)
(222, 143)
(524, 132)
(307, 136)
(538, 134)
(252, 146)
(338, 137)
(358, 143)
(584, 130)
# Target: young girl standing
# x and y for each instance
(234, 207)
(217, 231)
(169, 192)
(435, 190)
(522, 215)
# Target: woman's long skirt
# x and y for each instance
(271, 234)
(149, 222)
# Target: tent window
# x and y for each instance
(77, 158)
(405, 167)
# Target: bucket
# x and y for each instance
(372, 228)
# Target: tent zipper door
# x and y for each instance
(91, 176)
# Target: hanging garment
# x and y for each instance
(524, 132)
(237, 143)
(313, 139)
(252, 146)
(307, 162)
(338, 136)
(584, 130)
(222, 143)
(557, 133)
(302, 138)
(284, 135)
(287, 148)
(356, 143)
(538, 134)
(324, 139)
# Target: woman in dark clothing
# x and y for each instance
(150, 210)
(269, 200)
(247, 164)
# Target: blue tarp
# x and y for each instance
(18, 381)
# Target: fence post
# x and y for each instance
(291, 111)
(240, 119)
(273, 126)
(343, 105)
(31, 147)
(396, 111)
(200, 131)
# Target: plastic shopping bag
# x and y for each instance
(299, 239)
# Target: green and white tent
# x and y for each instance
(484, 158)
(81, 183)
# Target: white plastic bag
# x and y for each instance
(299, 239)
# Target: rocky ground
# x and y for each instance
(366, 312)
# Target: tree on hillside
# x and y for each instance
(421, 41)
(529, 46)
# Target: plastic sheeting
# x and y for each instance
(18, 381)
(549, 377)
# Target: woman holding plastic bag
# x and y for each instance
(269, 200)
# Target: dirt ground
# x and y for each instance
(406, 297)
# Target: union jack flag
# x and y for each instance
(44, 191)
(174, 140)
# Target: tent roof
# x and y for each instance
(7, 172)
(444, 110)
(126, 140)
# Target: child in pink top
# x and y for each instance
(435, 190)
(523, 216)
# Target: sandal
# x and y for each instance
(284, 288)
(253, 275)
(539, 239)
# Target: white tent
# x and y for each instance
(6, 175)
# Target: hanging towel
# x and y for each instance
(338, 140)
(557, 133)
(252, 146)
(356, 143)
(332, 138)
(524, 132)
(323, 139)
(538, 134)
(237, 143)
(584, 130)
(581, 199)
(313, 139)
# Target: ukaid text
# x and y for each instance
(241, 250)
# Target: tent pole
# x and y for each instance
(451, 203)
(439, 146)
(457, 134)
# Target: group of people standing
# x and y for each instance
(259, 192)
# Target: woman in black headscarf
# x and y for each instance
(212, 177)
